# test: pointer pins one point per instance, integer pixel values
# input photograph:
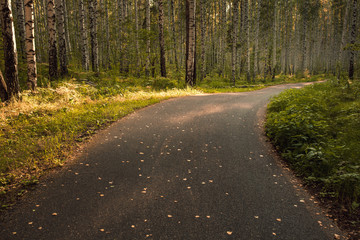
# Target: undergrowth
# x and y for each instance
(317, 130)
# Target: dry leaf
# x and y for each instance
(229, 232)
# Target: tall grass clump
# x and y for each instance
(317, 130)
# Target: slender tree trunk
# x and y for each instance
(344, 31)
(53, 62)
(11, 61)
(93, 36)
(234, 39)
(107, 33)
(190, 78)
(247, 28)
(3, 89)
(21, 26)
(137, 37)
(161, 39)
(67, 30)
(203, 31)
(274, 62)
(84, 38)
(60, 25)
(353, 39)
(256, 54)
(174, 34)
(148, 40)
(120, 12)
(30, 45)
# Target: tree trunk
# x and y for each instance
(53, 62)
(137, 37)
(203, 31)
(60, 25)
(11, 60)
(93, 36)
(247, 28)
(84, 38)
(148, 40)
(274, 63)
(234, 39)
(107, 33)
(30, 45)
(67, 30)
(3, 89)
(174, 35)
(256, 54)
(21, 26)
(353, 39)
(161, 39)
(190, 77)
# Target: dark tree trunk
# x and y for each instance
(161, 39)
(190, 78)
(53, 62)
(11, 60)
(352, 40)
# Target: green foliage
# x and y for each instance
(317, 129)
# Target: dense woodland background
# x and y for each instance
(252, 40)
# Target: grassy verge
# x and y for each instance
(317, 130)
(41, 130)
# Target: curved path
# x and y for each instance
(189, 168)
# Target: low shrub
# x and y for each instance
(317, 130)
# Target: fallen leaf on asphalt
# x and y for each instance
(274, 234)
(278, 219)
(101, 195)
(208, 216)
(133, 226)
(256, 217)
(14, 233)
(54, 214)
(188, 187)
(39, 228)
(261, 156)
(102, 230)
(141, 153)
(336, 236)
(170, 216)
(302, 201)
(30, 223)
(197, 216)
(229, 232)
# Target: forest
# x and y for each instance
(251, 41)
(71, 67)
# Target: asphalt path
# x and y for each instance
(188, 168)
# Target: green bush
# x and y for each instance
(317, 130)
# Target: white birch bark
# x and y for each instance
(30, 45)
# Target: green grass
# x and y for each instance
(317, 130)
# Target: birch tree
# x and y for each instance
(190, 78)
(51, 22)
(21, 26)
(93, 36)
(60, 26)
(30, 45)
(84, 37)
(12, 87)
